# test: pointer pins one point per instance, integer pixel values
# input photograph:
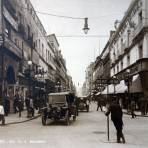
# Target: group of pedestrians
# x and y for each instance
(17, 105)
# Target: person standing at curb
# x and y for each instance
(116, 117)
(27, 103)
(99, 105)
(2, 116)
(31, 107)
(133, 109)
(18, 102)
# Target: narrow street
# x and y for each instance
(89, 131)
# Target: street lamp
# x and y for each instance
(114, 78)
(127, 81)
(29, 63)
(85, 25)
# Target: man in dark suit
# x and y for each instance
(116, 117)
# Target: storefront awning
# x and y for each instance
(110, 90)
(98, 93)
(136, 86)
(121, 88)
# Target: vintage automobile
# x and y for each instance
(83, 104)
(60, 106)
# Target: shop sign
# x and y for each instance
(108, 81)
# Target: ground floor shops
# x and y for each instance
(133, 87)
(13, 79)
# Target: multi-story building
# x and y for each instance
(89, 79)
(27, 56)
(129, 51)
(84, 93)
(101, 69)
(61, 77)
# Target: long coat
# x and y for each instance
(116, 115)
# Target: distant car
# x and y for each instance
(60, 106)
(83, 104)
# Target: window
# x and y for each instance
(28, 7)
(36, 43)
(8, 30)
(140, 17)
(22, 45)
(114, 70)
(140, 52)
(117, 68)
(39, 44)
(28, 28)
(42, 50)
(46, 55)
(121, 65)
(121, 42)
(128, 60)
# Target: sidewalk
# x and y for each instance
(15, 119)
(138, 113)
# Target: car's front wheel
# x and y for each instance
(88, 108)
(67, 118)
(43, 120)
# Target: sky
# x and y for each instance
(80, 51)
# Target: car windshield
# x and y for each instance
(57, 99)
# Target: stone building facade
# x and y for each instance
(24, 39)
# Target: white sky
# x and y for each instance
(79, 52)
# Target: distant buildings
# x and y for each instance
(88, 85)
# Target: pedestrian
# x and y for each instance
(31, 107)
(18, 102)
(99, 105)
(133, 109)
(15, 105)
(77, 101)
(2, 114)
(116, 117)
(6, 103)
(27, 103)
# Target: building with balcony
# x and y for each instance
(24, 40)
(61, 76)
(129, 50)
(88, 84)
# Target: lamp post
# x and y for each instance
(127, 81)
(58, 86)
(29, 64)
(114, 78)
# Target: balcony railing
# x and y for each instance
(11, 7)
(12, 47)
(137, 30)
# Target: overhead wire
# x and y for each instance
(70, 17)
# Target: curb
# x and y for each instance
(23, 120)
(136, 115)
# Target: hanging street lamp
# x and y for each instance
(85, 25)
